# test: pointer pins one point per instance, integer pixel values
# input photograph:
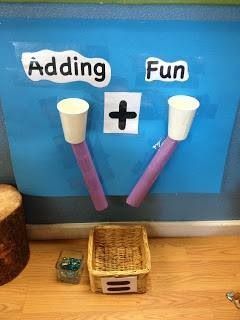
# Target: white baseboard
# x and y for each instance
(154, 228)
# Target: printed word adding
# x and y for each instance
(66, 66)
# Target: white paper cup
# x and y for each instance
(73, 114)
(182, 110)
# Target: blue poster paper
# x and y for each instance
(43, 162)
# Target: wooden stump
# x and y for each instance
(14, 249)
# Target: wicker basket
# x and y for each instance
(118, 259)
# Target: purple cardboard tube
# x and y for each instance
(90, 175)
(152, 172)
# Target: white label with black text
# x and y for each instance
(121, 112)
(66, 66)
(157, 69)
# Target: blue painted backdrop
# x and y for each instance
(44, 165)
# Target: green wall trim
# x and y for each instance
(132, 2)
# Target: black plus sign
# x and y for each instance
(122, 115)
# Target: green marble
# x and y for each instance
(71, 264)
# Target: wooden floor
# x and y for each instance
(189, 279)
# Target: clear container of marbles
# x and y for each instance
(69, 266)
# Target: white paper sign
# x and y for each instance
(157, 69)
(66, 66)
(121, 112)
(119, 285)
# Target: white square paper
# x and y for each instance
(121, 112)
(119, 285)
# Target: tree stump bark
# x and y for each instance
(14, 249)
